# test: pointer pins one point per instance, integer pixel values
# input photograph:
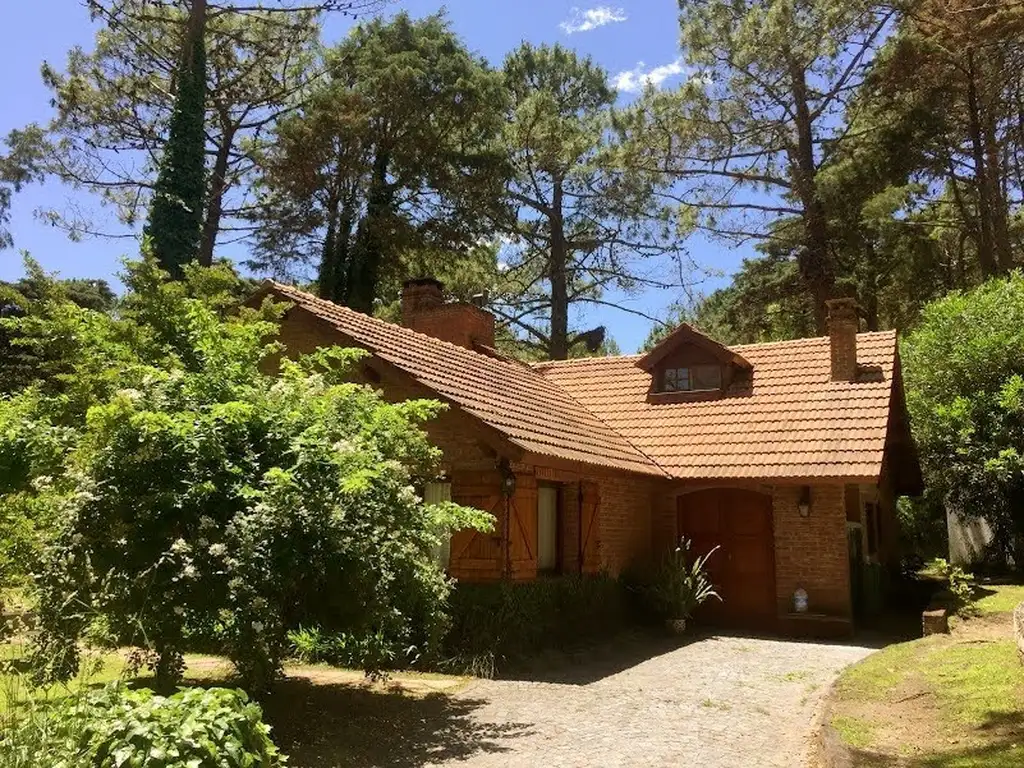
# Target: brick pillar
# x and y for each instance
(424, 310)
(843, 323)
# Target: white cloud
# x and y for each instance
(635, 79)
(592, 18)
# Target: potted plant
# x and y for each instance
(678, 586)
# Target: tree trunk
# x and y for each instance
(869, 297)
(813, 259)
(986, 248)
(215, 200)
(327, 279)
(558, 339)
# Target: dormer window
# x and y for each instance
(687, 366)
(695, 378)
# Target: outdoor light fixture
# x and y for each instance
(508, 479)
(803, 505)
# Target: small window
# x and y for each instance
(436, 493)
(547, 528)
(696, 378)
(677, 379)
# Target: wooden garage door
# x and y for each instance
(743, 569)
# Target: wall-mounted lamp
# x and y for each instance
(508, 479)
(803, 504)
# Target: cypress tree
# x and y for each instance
(176, 215)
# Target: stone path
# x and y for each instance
(718, 702)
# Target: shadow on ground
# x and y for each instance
(1005, 750)
(586, 665)
(324, 726)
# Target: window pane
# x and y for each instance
(436, 493)
(683, 379)
(707, 377)
(547, 528)
(670, 379)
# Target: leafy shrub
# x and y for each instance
(312, 645)
(965, 394)
(959, 584)
(200, 499)
(195, 728)
(501, 621)
(678, 586)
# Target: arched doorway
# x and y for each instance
(739, 520)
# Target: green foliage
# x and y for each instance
(192, 496)
(195, 728)
(176, 216)
(678, 586)
(965, 394)
(959, 583)
(584, 224)
(494, 623)
(394, 153)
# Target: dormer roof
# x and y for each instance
(686, 335)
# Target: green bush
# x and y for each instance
(113, 727)
(313, 645)
(491, 623)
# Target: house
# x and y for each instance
(788, 455)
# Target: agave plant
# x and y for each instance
(680, 586)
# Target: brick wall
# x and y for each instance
(626, 516)
(811, 553)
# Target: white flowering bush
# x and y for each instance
(205, 498)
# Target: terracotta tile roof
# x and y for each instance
(792, 422)
(532, 411)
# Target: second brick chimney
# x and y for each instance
(425, 310)
(843, 324)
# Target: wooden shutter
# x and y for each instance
(590, 527)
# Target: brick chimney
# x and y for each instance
(424, 310)
(843, 324)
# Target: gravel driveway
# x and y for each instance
(718, 702)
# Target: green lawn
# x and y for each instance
(1003, 599)
(945, 701)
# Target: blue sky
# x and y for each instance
(634, 41)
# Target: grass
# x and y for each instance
(1002, 600)
(945, 701)
(854, 731)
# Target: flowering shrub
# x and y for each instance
(199, 496)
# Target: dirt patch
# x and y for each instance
(931, 702)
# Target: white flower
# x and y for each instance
(218, 550)
(189, 571)
(206, 522)
(179, 610)
(257, 626)
(203, 542)
(180, 547)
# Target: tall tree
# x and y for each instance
(394, 152)
(749, 133)
(175, 219)
(114, 104)
(963, 64)
(584, 223)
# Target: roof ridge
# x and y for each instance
(433, 339)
